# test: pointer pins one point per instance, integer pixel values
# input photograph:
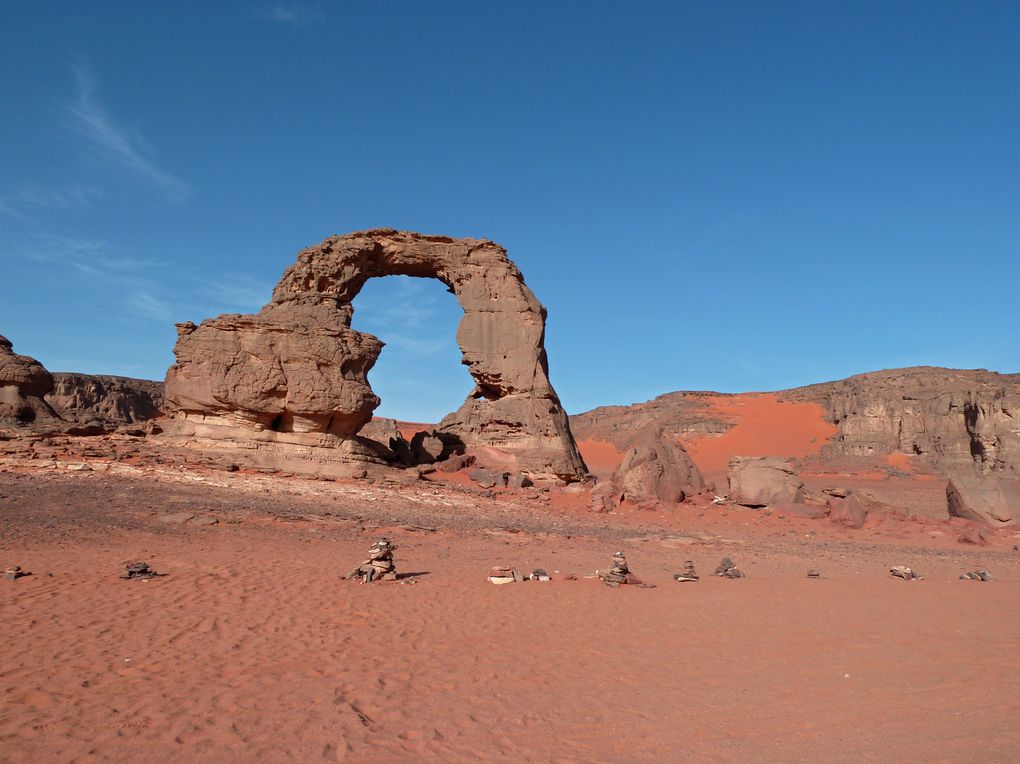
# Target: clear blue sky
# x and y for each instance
(706, 195)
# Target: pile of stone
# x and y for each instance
(15, 572)
(977, 575)
(619, 573)
(688, 573)
(139, 570)
(727, 569)
(505, 575)
(901, 571)
(379, 565)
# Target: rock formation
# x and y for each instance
(990, 500)
(954, 419)
(106, 399)
(760, 481)
(656, 466)
(296, 373)
(23, 384)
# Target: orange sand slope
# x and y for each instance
(765, 426)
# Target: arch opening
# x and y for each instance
(419, 375)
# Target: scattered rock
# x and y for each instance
(974, 534)
(487, 478)
(901, 571)
(657, 467)
(456, 462)
(978, 575)
(176, 518)
(849, 512)
(15, 572)
(139, 570)
(990, 500)
(759, 481)
(727, 569)
(808, 511)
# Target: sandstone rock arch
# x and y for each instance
(298, 369)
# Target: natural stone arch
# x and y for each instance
(298, 367)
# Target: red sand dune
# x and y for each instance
(765, 426)
(602, 458)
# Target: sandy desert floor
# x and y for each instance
(251, 647)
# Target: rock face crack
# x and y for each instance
(299, 362)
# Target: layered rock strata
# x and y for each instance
(296, 373)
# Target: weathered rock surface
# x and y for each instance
(685, 414)
(298, 367)
(951, 418)
(656, 466)
(990, 500)
(107, 399)
(849, 512)
(23, 384)
(760, 481)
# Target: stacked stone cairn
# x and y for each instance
(619, 573)
(379, 565)
(687, 574)
(727, 569)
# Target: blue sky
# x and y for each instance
(706, 195)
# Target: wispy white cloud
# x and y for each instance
(240, 293)
(144, 304)
(19, 203)
(87, 256)
(119, 146)
(294, 14)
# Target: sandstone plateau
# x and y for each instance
(290, 386)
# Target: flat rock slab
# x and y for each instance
(176, 518)
(204, 520)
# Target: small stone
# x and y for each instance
(813, 573)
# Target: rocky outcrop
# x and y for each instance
(24, 382)
(106, 399)
(296, 372)
(761, 481)
(951, 418)
(684, 414)
(989, 500)
(656, 466)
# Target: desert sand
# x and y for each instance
(252, 647)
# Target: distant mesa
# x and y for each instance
(289, 384)
(104, 398)
(947, 421)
